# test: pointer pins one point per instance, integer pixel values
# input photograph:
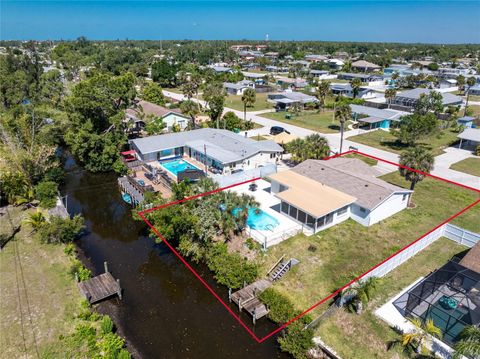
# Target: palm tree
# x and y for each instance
(469, 343)
(323, 89)
(343, 113)
(316, 147)
(413, 342)
(355, 83)
(248, 98)
(390, 95)
(417, 158)
(461, 83)
(35, 220)
(190, 108)
(470, 82)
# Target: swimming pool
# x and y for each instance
(178, 165)
(260, 220)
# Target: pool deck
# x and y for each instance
(268, 203)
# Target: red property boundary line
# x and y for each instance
(227, 307)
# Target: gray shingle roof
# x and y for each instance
(376, 112)
(414, 94)
(223, 145)
(351, 176)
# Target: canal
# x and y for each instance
(165, 311)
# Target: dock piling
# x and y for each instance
(119, 291)
(105, 266)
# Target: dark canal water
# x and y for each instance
(165, 312)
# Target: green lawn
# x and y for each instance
(235, 102)
(313, 120)
(474, 109)
(469, 165)
(44, 294)
(331, 258)
(386, 141)
(369, 161)
(367, 335)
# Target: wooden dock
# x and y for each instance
(247, 299)
(100, 287)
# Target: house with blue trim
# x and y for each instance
(376, 118)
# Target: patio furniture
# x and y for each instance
(448, 302)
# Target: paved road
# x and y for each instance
(442, 162)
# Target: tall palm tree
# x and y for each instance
(316, 147)
(343, 113)
(470, 82)
(461, 83)
(356, 84)
(390, 95)
(323, 89)
(190, 108)
(248, 98)
(469, 343)
(417, 158)
(35, 220)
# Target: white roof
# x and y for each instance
(470, 134)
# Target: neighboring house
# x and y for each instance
(320, 194)
(466, 121)
(401, 70)
(284, 100)
(221, 69)
(257, 78)
(219, 149)
(376, 118)
(447, 83)
(294, 84)
(365, 66)
(143, 110)
(366, 79)
(238, 88)
(322, 75)
(335, 64)
(346, 90)
(474, 90)
(469, 137)
(409, 98)
(316, 58)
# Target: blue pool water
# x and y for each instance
(258, 219)
(176, 166)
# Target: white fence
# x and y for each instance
(450, 231)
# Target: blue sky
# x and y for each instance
(384, 21)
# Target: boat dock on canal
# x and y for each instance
(100, 287)
(246, 298)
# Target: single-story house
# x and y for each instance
(257, 78)
(219, 149)
(322, 75)
(465, 121)
(287, 82)
(284, 100)
(320, 194)
(365, 66)
(376, 118)
(221, 69)
(366, 79)
(238, 88)
(335, 63)
(144, 110)
(347, 91)
(409, 98)
(474, 90)
(316, 58)
(469, 137)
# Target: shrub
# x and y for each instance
(106, 325)
(230, 268)
(110, 345)
(297, 341)
(124, 354)
(79, 269)
(46, 192)
(60, 230)
(281, 309)
(69, 249)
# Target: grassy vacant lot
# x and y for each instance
(329, 259)
(235, 102)
(313, 120)
(369, 161)
(386, 141)
(365, 336)
(469, 165)
(38, 297)
(475, 109)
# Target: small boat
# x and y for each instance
(127, 198)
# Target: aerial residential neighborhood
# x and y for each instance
(240, 179)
